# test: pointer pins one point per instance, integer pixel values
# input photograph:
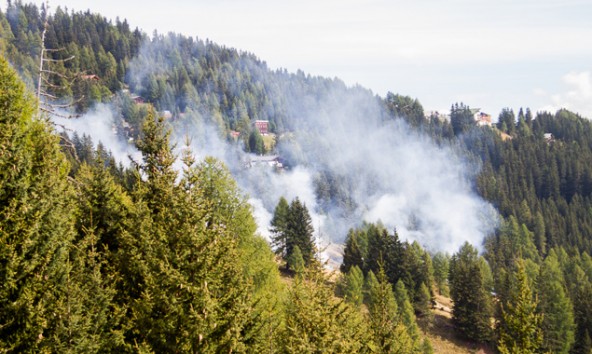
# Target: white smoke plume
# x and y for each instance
(99, 124)
(392, 174)
(350, 163)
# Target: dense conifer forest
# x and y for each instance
(98, 257)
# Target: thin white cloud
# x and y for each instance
(577, 97)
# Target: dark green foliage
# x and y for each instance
(388, 250)
(295, 262)
(292, 227)
(36, 226)
(317, 322)
(372, 247)
(300, 231)
(461, 118)
(185, 257)
(506, 122)
(405, 107)
(279, 227)
(99, 48)
(353, 255)
(353, 291)
(103, 250)
(519, 329)
(581, 296)
(389, 332)
(545, 184)
(441, 264)
(256, 145)
(472, 312)
(557, 324)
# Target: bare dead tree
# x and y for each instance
(49, 103)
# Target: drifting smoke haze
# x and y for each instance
(99, 124)
(350, 163)
(389, 173)
(392, 174)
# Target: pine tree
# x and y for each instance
(405, 310)
(390, 335)
(36, 226)
(581, 296)
(90, 320)
(472, 311)
(461, 118)
(441, 262)
(256, 144)
(300, 232)
(210, 185)
(557, 324)
(354, 286)
(295, 261)
(157, 166)
(520, 327)
(191, 292)
(93, 317)
(423, 306)
(317, 322)
(279, 226)
(352, 253)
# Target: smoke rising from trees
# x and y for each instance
(349, 161)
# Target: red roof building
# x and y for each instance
(262, 126)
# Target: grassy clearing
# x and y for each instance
(443, 336)
(269, 142)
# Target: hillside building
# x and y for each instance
(483, 119)
(262, 126)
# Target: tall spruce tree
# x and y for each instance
(279, 226)
(192, 296)
(317, 322)
(520, 327)
(36, 226)
(441, 262)
(405, 310)
(472, 311)
(210, 185)
(295, 261)
(581, 296)
(354, 286)
(557, 324)
(300, 231)
(461, 118)
(390, 335)
(94, 316)
(352, 253)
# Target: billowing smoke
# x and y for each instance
(99, 124)
(349, 162)
(362, 167)
(376, 169)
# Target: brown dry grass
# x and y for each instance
(443, 336)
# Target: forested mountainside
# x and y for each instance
(96, 258)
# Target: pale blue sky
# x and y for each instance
(488, 54)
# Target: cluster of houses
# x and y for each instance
(274, 161)
(483, 119)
